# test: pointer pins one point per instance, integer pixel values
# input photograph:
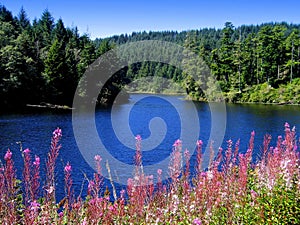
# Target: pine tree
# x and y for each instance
(23, 19)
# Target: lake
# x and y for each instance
(159, 119)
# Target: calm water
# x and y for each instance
(160, 120)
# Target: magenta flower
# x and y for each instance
(199, 143)
(130, 182)
(138, 137)
(34, 206)
(177, 143)
(26, 151)
(37, 161)
(159, 172)
(98, 158)
(91, 185)
(8, 155)
(197, 221)
(57, 133)
(68, 168)
(122, 193)
(84, 222)
(203, 174)
(253, 194)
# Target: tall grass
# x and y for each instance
(232, 190)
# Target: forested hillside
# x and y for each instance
(42, 60)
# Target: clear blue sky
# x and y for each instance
(106, 18)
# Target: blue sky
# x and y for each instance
(106, 18)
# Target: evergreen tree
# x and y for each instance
(55, 70)
(44, 28)
(23, 20)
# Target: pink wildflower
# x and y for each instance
(122, 193)
(98, 158)
(159, 172)
(197, 221)
(37, 161)
(177, 143)
(68, 168)
(57, 133)
(138, 137)
(34, 206)
(253, 194)
(91, 185)
(26, 151)
(199, 143)
(130, 182)
(8, 155)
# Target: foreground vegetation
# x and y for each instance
(232, 190)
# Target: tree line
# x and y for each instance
(40, 61)
(43, 61)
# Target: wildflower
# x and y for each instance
(253, 194)
(8, 155)
(26, 151)
(197, 221)
(91, 185)
(34, 206)
(50, 190)
(57, 133)
(295, 147)
(210, 175)
(37, 161)
(122, 193)
(130, 182)
(286, 125)
(199, 143)
(98, 158)
(159, 172)
(84, 221)
(138, 137)
(177, 143)
(68, 168)
(203, 174)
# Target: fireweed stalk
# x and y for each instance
(68, 186)
(10, 190)
(50, 165)
(35, 185)
(27, 176)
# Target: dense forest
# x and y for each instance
(43, 61)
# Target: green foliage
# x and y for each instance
(42, 61)
(250, 63)
(264, 93)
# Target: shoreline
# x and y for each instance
(187, 98)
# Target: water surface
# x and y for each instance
(156, 118)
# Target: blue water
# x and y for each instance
(160, 120)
